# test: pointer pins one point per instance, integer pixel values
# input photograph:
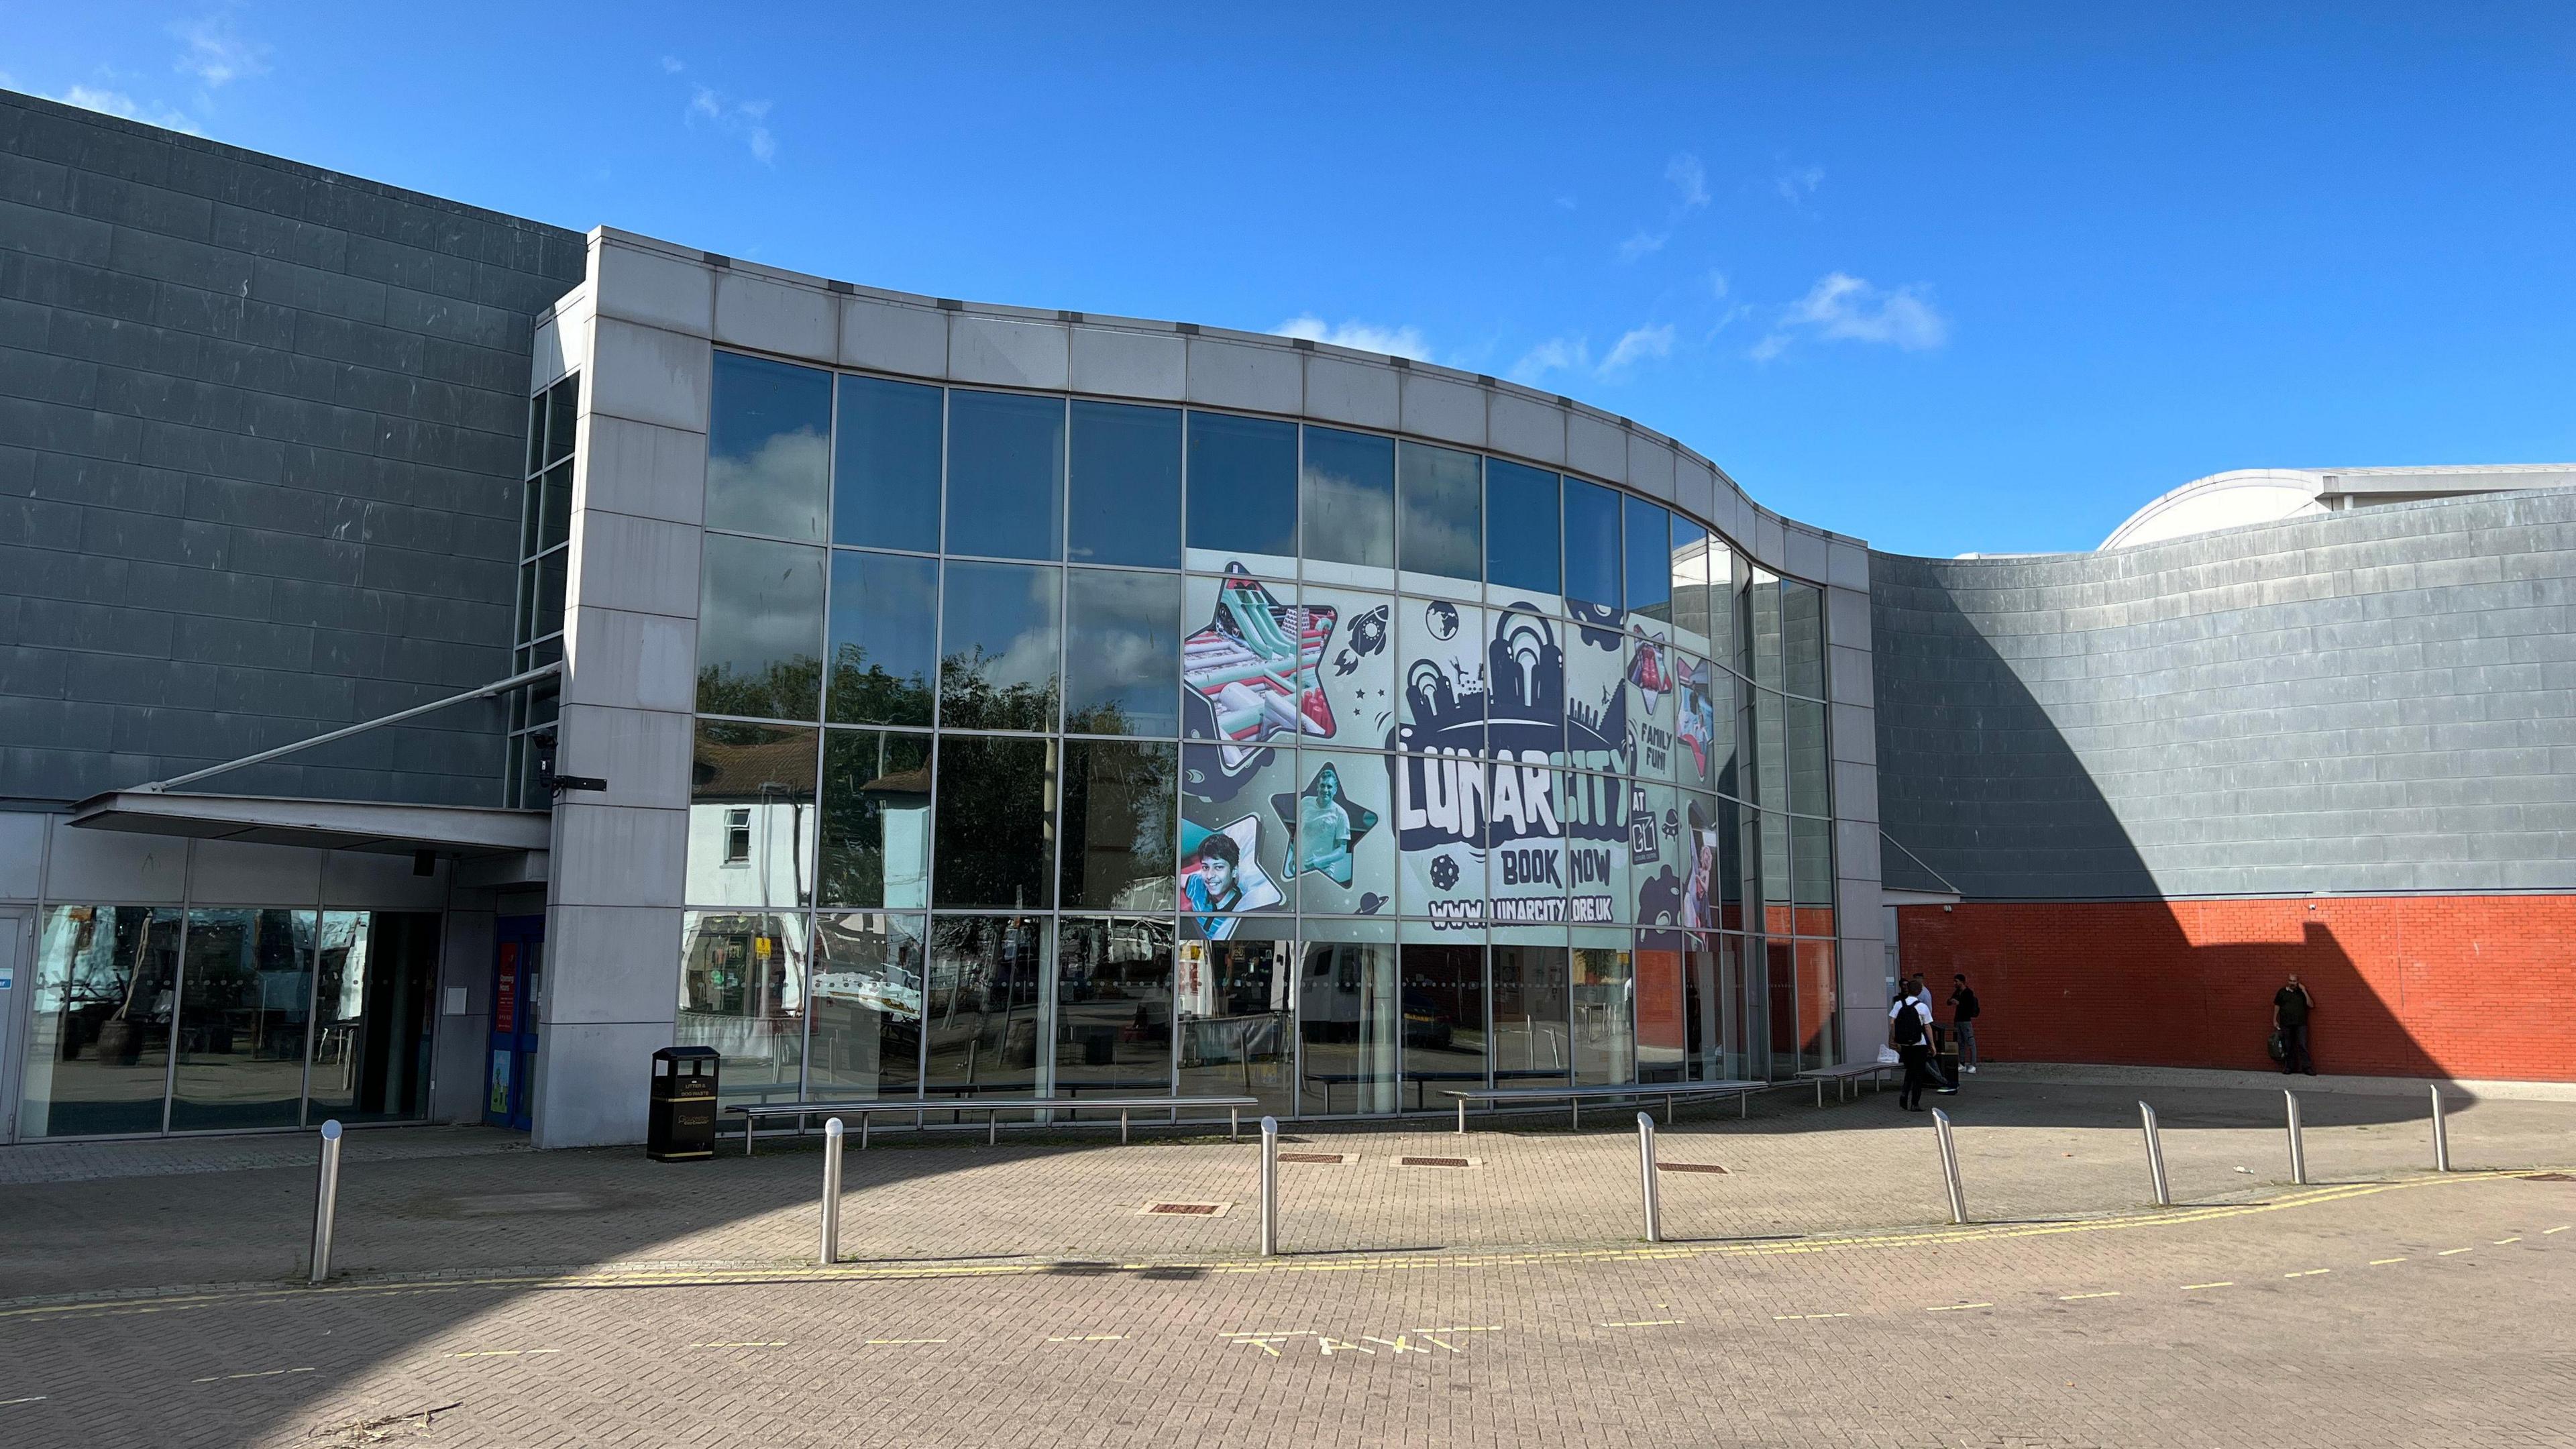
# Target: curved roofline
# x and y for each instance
(2312, 480)
(743, 304)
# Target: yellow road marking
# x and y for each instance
(2383, 1262)
(892, 1342)
(2562, 1227)
(2225, 1283)
(1644, 1323)
(262, 1374)
(2079, 1297)
(2500, 1242)
(650, 1278)
(1956, 1307)
(1090, 1338)
(2446, 1252)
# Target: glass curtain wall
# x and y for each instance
(153, 1019)
(1062, 745)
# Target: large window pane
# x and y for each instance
(1650, 560)
(769, 427)
(1232, 1004)
(1443, 527)
(377, 987)
(997, 664)
(1531, 1046)
(1347, 487)
(1443, 1002)
(867, 1007)
(1692, 620)
(1243, 493)
(1005, 474)
(1350, 1016)
(1663, 1033)
(884, 638)
(1122, 658)
(742, 991)
(751, 816)
(1802, 638)
(1591, 544)
(106, 988)
(1126, 485)
(876, 820)
(1521, 527)
(245, 994)
(1605, 990)
(989, 1006)
(1819, 1033)
(1810, 772)
(760, 629)
(885, 477)
(1113, 1014)
(995, 840)
(1121, 805)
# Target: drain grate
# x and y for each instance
(1688, 1167)
(1435, 1162)
(1186, 1209)
(1335, 1159)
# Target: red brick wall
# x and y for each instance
(2457, 986)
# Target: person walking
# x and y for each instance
(1963, 1020)
(1909, 1030)
(2291, 1007)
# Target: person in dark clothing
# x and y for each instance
(1909, 1030)
(2291, 1007)
(1963, 1021)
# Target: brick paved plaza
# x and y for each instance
(1816, 1293)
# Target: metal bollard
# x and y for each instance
(2441, 1135)
(326, 1199)
(2298, 1148)
(1654, 1198)
(833, 1133)
(1270, 1187)
(1950, 1165)
(2155, 1155)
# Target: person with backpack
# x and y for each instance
(1963, 1021)
(1909, 1030)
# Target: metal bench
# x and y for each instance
(1843, 1076)
(992, 1107)
(1575, 1097)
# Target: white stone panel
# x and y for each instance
(1527, 428)
(1847, 675)
(643, 564)
(629, 660)
(1807, 556)
(1847, 566)
(611, 964)
(1695, 489)
(643, 754)
(1854, 733)
(1436, 407)
(1847, 617)
(773, 316)
(1117, 363)
(891, 337)
(1362, 394)
(592, 1080)
(1856, 791)
(1650, 467)
(617, 855)
(1595, 447)
(1006, 353)
(641, 470)
(650, 375)
(1246, 375)
(637, 285)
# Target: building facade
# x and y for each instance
(900, 696)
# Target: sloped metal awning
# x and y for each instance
(461, 830)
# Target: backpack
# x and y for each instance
(1967, 1009)
(1905, 1029)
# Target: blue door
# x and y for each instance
(518, 964)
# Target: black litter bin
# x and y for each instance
(681, 1126)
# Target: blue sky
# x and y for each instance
(1956, 277)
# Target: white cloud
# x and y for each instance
(1845, 308)
(1689, 178)
(1637, 345)
(1796, 183)
(747, 119)
(213, 52)
(1717, 284)
(1643, 244)
(672, 65)
(118, 103)
(1557, 354)
(1360, 336)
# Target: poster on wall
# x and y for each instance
(1248, 676)
(1341, 858)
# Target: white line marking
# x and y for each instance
(2500, 1242)
(745, 1343)
(30, 1399)
(2223, 1283)
(1645, 1323)
(2307, 1272)
(1090, 1338)
(2078, 1297)
(1794, 1317)
(2383, 1262)
(2446, 1252)
(262, 1374)
(1956, 1307)
(2562, 1227)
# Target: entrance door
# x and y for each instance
(518, 964)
